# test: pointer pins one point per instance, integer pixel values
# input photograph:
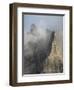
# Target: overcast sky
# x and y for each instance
(53, 22)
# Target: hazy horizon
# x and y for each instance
(52, 22)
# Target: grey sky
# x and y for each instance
(53, 22)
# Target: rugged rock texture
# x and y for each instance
(37, 48)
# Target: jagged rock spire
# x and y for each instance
(33, 28)
(54, 62)
(55, 52)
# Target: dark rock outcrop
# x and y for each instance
(36, 52)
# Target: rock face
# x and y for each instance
(54, 62)
(37, 48)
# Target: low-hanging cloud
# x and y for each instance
(37, 45)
